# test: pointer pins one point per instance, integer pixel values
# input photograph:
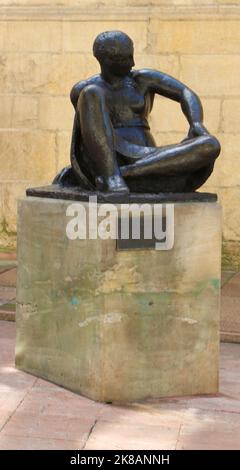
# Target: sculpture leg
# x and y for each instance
(198, 178)
(183, 158)
(98, 140)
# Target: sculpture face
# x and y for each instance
(114, 51)
(119, 64)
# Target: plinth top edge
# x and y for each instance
(55, 191)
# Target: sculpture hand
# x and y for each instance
(197, 129)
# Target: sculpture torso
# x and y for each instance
(128, 104)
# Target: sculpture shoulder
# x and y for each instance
(157, 82)
(79, 86)
(147, 76)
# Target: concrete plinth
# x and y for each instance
(119, 325)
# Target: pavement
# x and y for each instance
(8, 274)
(35, 414)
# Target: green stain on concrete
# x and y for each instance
(202, 286)
(153, 299)
(75, 301)
(215, 283)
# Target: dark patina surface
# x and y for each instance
(113, 150)
(56, 191)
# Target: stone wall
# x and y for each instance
(46, 47)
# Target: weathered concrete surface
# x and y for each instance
(119, 325)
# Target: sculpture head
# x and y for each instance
(114, 52)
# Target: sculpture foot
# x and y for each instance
(112, 184)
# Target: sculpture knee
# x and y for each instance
(209, 147)
(91, 95)
(213, 146)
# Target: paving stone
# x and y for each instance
(141, 415)
(8, 332)
(8, 277)
(232, 288)
(219, 403)
(8, 255)
(226, 276)
(53, 403)
(7, 294)
(7, 314)
(209, 430)
(33, 443)
(3, 270)
(12, 379)
(126, 436)
(52, 427)
(8, 403)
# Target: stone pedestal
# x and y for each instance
(119, 325)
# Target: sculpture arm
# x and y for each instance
(75, 92)
(165, 85)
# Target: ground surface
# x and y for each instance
(35, 414)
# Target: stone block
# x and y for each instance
(42, 2)
(27, 155)
(226, 2)
(167, 116)
(63, 149)
(194, 37)
(211, 75)
(226, 167)
(29, 36)
(168, 138)
(44, 73)
(211, 112)
(113, 2)
(119, 325)
(26, 73)
(1, 208)
(229, 198)
(231, 113)
(231, 212)
(166, 63)
(6, 111)
(11, 192)
(25, 112)
(79, 36)
(74, 66)
(56, 113)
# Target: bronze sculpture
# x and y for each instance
(112, 148)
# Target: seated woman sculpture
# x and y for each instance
(112, 147)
